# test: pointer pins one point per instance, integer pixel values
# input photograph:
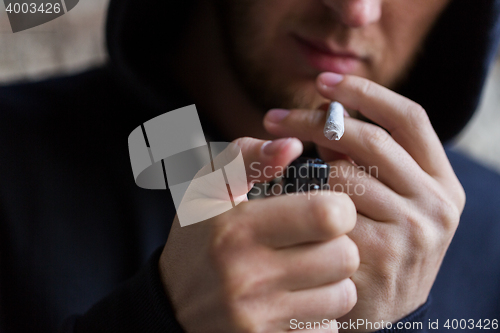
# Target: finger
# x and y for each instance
(407, 121)
(371, 197)
(329, 301)
(367, 144)
(371, 234)
(300, 218)
(262, 160)
(313, 265)
(265, 159)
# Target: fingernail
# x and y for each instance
(329, 80)
(272, 147)
(346, 114)
(277, 115)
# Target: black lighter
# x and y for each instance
(305, 174)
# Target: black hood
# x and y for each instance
(447, 79)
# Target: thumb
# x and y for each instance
(266, 160)
(260, 160)
(244, 162)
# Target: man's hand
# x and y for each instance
(407, 196)
(265, 262)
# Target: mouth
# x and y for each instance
(326, 58)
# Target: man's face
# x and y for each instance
(278, 47)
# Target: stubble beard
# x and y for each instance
(265, 88)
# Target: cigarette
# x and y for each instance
(334, 126)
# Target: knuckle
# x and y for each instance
(461, 198)
(350, 256)
(366, 87)
(417, 115)
(226, 238)
(241, 284)
(416, 119)
(449, 215)
(340, 213)
(326, 215)
(242, 318)
(241, 145)
(350, 296)
(350, 212)
(422, 238)
(445, 211)
(243, 141)
(375, 138)
(247, 275)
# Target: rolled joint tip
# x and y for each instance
(334, 126)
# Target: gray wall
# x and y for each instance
(69, 43)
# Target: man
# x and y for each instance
(75, 229)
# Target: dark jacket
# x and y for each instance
(80, 242)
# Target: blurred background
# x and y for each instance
(75, 41)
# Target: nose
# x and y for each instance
(356, 13)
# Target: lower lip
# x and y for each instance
(327, 62)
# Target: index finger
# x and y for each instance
(405, 120)
(262, 161)
(289, 220)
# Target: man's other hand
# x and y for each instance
(265, 262)
(407, 196)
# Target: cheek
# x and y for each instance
(266, 44)
(403, 29)
(394, 34)
(257, 26)
(267, 16)
(396, 54)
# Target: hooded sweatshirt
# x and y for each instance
(80, 242)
